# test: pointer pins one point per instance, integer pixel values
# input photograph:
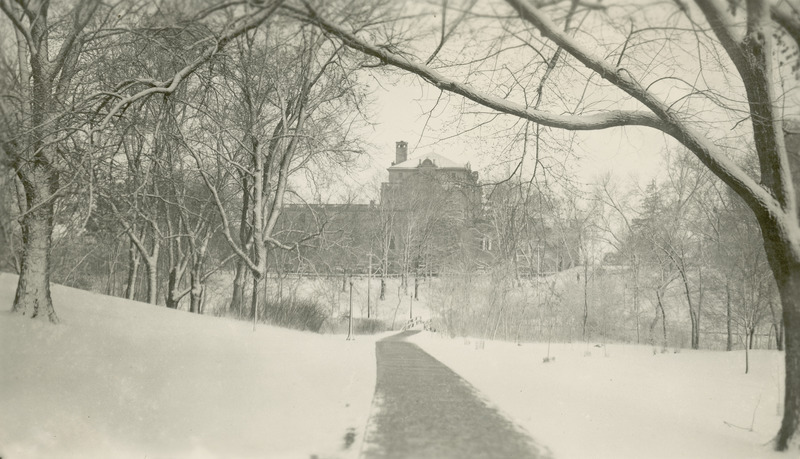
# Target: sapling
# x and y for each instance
(743, 340)
(752, 419)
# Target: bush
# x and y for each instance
(360, 326)
(298, 314)
(369, 326)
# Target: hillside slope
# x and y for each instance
(118, 378)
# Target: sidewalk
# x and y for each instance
(422, 409)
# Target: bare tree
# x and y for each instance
(617, 218)
(285, 87)
(742, 39)
(191, 223)
(424, 224)
(52, 90)
(384, 235)
(671, 229)
(44, 83)
(131, 192)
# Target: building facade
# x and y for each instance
(427, 212)
(435, 177)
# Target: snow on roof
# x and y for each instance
(438, 160)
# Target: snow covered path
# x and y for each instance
(422, 409)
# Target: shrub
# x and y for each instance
(360, 326)
(298, 314)
(369, 326)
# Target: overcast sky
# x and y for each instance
(401, 112)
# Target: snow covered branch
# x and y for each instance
(584, 122)
(170, 85)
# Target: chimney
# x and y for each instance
(401, 152)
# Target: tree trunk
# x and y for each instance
(172, 288)
(499, 313)
(585, 295)
(777, 324)
(254, 299)
(660, 305)
(517, 277)
(636, 298)
(133, 271)
(33, 288)
(239, 282)
(151, 263)
(202, 305)
(399, 302)
(699, 308)
(258, 298)
(406, 263)
(747, 347)
(693, 316)
(787, 276)
(653, 330)
(39, 178)
(152, 283)
(240, 279)
(384, 271)
(196, 292)
(111, 282)
(729, 316)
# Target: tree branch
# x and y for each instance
(170, 85)
(660, 118)
(757, 197)
(585, 122)
(788, 20)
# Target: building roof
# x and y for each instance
(439, 161)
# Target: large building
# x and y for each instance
(430, 219)
(432, 176)
(427, 210)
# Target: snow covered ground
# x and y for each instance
(121, 379)
(623, 401)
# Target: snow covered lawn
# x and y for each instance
(123, 379)
(625, 402)
(119, 379)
